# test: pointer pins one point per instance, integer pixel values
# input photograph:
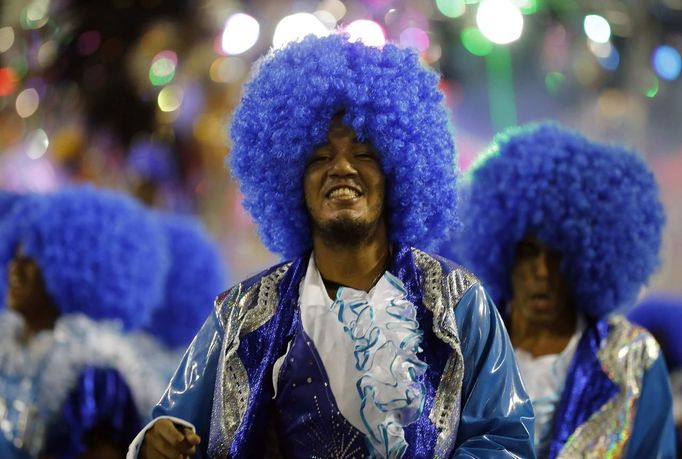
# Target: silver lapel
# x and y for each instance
(440, 296)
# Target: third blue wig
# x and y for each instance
(196, 276)
(387, 97)
(597, 204)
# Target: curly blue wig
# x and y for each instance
(196, 276)
(387, 97)
(100, 252)
(597, 204)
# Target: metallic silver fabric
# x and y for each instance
(440, 296)
(240, 313)
(627, 353)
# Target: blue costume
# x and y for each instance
(101, 257)
(597, 206)
(227, 371)
(419, 366)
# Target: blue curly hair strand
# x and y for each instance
(597, 204)
(385, 95)
(99, 251)
(196, 276)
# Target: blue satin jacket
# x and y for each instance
(616, 401)
(475, 404)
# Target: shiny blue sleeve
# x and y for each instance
(189, 395)
(653, 433)
(497, 417)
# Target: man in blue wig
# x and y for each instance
(84, 265)
(362, 345)
(565, 232)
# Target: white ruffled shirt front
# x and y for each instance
(394, 324)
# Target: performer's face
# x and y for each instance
(344, 188)
(539, 290)
(26, 291)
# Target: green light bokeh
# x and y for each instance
(475, 42)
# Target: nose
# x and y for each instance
(542, 265)
(341, 166)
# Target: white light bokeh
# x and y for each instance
(597, 28)
(240, 34)
(335, 7)
(27, 102)
(366, 31)
(36, 144)
(296, 26)
(6, 38)
(500, 21)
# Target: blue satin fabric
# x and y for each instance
(101, 399)
(586, 389)
(496, 418)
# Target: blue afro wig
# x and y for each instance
(100, 252)
(662, 316)
(387, 97)
(196, 276)
(597, 204)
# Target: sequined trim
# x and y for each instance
(625, 356)
(440, 297)
(240, 313)
(267, 300)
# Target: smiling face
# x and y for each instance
(539, 290)
(344, 188)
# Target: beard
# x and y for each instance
(345, 232)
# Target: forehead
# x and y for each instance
(338, 129)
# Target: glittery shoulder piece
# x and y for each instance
(441, 293)
(240, 311)
(625, 355)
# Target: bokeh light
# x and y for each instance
(366, 31)
(36, 144)
(240, 34)
(335, 7)
(651, 88)
(227, 69)
(500, 21)
(47, 53)
(667, 62)
(327, 18)
(296, 26)
(451, 8)
(89, 42)
(597, 28)
(529, 6)
(475, 42)
(34, 15)
(27, 102)
(162, 70)
(611, 61)
(170, 98)
(8, 81)
(554, 81)
(6, 38)
(414, 37)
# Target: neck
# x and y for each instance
(37, 321)
(541, 338)
(356, 266)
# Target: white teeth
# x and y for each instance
(344, 193)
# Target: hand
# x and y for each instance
(166, 440)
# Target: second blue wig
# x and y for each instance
(387, 97)
(100, 252)
(597, 204)
(196, 276)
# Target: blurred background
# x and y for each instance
(137, 95)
